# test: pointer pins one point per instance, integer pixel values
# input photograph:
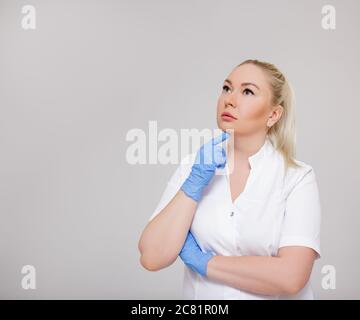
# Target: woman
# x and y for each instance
(253, 233)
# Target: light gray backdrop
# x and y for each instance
(71, 89)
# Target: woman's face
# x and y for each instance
(245, 95)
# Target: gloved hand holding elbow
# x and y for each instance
(210, 156)
(192, 255)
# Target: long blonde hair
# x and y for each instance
(283, 133)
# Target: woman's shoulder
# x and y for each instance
(292, 171)
(299, 175)
(303, 168)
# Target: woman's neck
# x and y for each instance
(243, 147)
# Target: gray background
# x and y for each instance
(92, 70)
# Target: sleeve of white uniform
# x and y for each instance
(173, 186)
(302, 221)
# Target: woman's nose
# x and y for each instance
(230, 100)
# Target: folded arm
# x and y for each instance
(287, 273)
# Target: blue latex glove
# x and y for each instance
(210, 156)
(193, 257)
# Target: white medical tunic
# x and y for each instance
(274, 210)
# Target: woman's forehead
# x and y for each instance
(248, 73)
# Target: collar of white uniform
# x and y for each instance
(256, 158)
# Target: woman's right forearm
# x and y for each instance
(163, 237)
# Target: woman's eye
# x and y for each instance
(249, 91)
(225, 87)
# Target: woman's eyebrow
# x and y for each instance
(244, 84)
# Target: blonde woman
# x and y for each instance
(253, 232)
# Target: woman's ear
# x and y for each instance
(275, 115)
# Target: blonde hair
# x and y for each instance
(283, 133)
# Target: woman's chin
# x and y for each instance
(225, 125)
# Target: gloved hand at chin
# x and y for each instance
(210, 156)
(194, 257)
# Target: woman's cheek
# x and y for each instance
(252, 112)
(218, 106)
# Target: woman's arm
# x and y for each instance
(164, 236)
(286, 273)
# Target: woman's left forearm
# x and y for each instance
(265, 275)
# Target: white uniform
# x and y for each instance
(273, 211)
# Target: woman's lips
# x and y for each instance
(227, 117)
